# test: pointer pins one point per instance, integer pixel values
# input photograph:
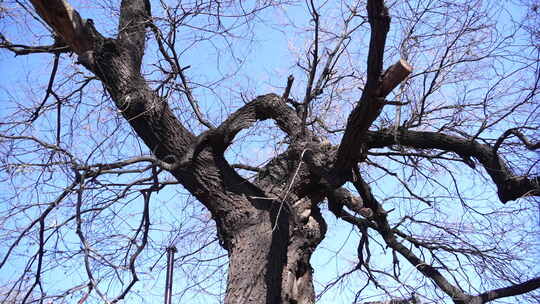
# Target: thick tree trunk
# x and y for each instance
(268, 241)
(269, 260)
(256, 257)
(271, 227)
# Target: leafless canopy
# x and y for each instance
(398, 139)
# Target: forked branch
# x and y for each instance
(270, 106)
(378, 85)
(509, 185)
(66, 22)
(380, 223)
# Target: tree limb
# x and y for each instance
(378, 85)
(66, 22)
(509, 291)
(342, 197)
(509, 186)
(515, 131)
(269, 106)
(134, 17)
(117, 64)
(21, 49)
(379, 217)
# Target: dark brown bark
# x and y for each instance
(66, 22)
(509, 291)
(378, 86)
(270, 227)
(509, 185)
(269, 238)
(372, 101)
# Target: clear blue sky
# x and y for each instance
(265, 63)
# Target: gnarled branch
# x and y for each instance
(66, 22)
(269, 106)
(378, 85)
(515, 131)
(509, 291)
(509, 185)
(21, 49)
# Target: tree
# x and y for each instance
(385, 144)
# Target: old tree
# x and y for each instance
(410, 127)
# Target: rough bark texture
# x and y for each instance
(270, 227)
(509, 185)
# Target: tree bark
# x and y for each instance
(271, 226)
(269, 236)
(509, 185)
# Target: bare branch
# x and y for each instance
(21, 49)
(314, 62)
(49, 88)
(287, 91)
(134, 17)
(509, 186)
(518, 134)
(379, 216)
(376, 88)
(509, 291)
(66, 22)
(393, 76)
(246, 167)
(194, 104)
(342, 197)
(145, 227)
(269, 106)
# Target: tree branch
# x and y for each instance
(35, 115)
(134, 17)
(314, 63)
(66, 22)
(270, 106)
(509, 291)
(378, 85)
(287, 91)
(379, 217)
(21, 49)
(509, 186)
(117, 64)
(342, 197)
(521, 136)
(379, 20)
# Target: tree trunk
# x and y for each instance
(269, 240)
(269, 260)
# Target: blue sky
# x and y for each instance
(265, 63)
